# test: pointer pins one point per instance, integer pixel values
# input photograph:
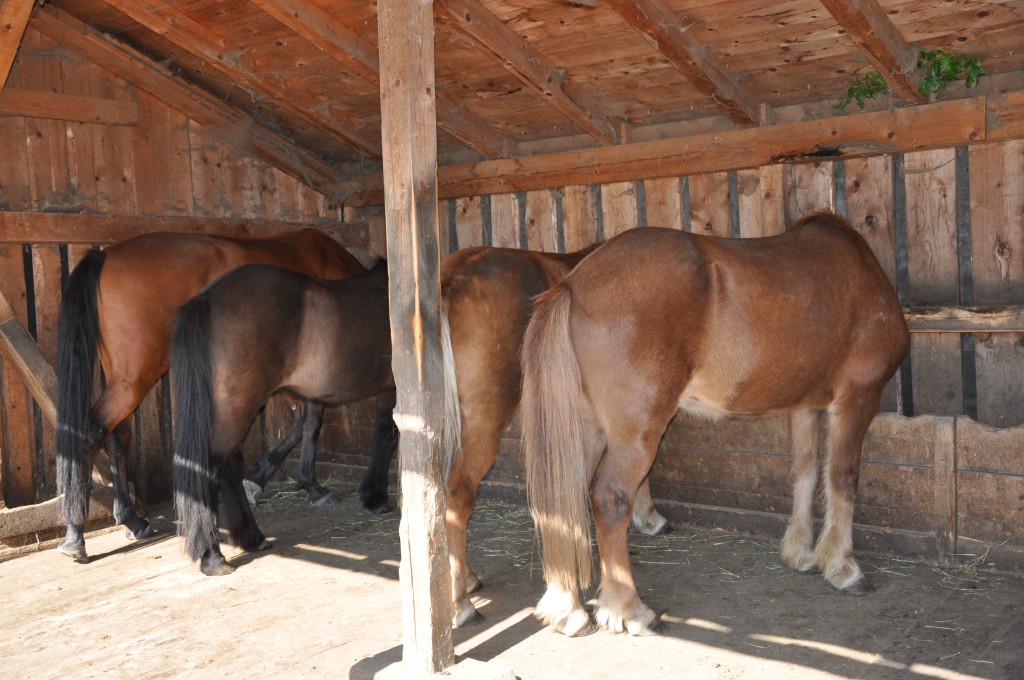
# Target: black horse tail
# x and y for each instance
(78, 339)
(194, 499)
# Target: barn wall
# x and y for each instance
(163, 166)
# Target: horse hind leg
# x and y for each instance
(373, 490)
(849, 418)
(479, 449)
(119, 445)
(797, 542)
(619, 476)
(312, 418)
(238, 518)
(646, 518)
(269, 464)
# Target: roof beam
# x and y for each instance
(33, 104)
(200, 106)
(531, 67)
(914, 128)
(193, 37)
(668, 34)
(321, 29)
(881, 43)
(14, 15)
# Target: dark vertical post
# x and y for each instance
(408, 125)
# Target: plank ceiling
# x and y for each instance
(525, 77)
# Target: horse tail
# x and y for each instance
(451, 416)
(556, 466)
(78, 339)
(191, 379)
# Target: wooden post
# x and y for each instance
(408, 127)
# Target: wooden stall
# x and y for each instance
(559, 124)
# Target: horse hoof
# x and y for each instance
(858, 589)
(474, 619)
(75, 552)
(253, 491)
(589, 628)
(473, 584)
(382, 508)
(265, 545)
(324, 501)
(664, 530)
(145, 532)
(656, 627)
(219, 568)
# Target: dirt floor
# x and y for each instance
(325, 603)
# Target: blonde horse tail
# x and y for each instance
(451, 418)
(556, 467)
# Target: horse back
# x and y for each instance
(736, 325)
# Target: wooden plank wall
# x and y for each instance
(162, 166)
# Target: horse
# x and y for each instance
(257, 330)
(118, 306)
(486, 293)
(658, 320)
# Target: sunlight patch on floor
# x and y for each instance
(467, 646)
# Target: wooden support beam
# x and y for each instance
(668, 33)
(67, 107)
(56, 228)
(193, 37)
(21, 351)
(131, 66)
(408, 125)
(965, 319)
(322, 30)
(945, 473)
(927, 126)
(534, 69)
(880, 41)
(14, 16)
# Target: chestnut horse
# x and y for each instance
(256, 330)
(486, 295)
(657, 321)
(118, 306)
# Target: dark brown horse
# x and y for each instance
(254, 331)
(486, 304)
(658, 320)
(118, 306)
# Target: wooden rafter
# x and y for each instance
(916, 128)
(86, 229)
(322, 30)
(67, 107)
(197, 104)
(189, 35)
(534, 69)
(14, 15)
(881, 43)
(668, 34)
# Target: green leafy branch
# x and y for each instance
(941, 69)
(864, 87)
(944, 68)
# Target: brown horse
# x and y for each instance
(486, 295)
(119, 306)
(658, 320)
